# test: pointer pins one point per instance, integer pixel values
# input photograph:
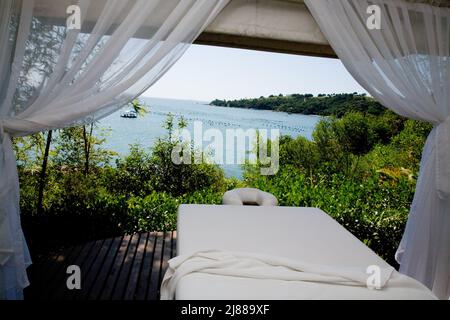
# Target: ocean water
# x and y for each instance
(146, 130)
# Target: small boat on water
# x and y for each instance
(129, 114)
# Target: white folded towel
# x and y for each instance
(259, 266)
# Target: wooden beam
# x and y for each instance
(264, 44)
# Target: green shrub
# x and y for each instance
(374, 210)
(131, 175)
(299, 152)
(180, 179)
(155, 212)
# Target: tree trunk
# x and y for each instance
(87, 147)
(43, 174)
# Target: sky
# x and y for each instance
(206, 73)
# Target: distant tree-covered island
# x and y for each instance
(308, 104)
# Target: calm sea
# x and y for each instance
(146, 130)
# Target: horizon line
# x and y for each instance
(284, 95)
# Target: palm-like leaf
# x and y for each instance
(139, 107)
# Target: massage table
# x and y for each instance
(306, 234)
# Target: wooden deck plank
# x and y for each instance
(61, 292)
(89, 279)
(136, 270)
(93, 265)
(123, 268)
(85, 268)
(96, 288)
(57, 273)
(108, 289)
(146, 269)
(152, 292)
(167, 253)
(50, 272)
(124, 275)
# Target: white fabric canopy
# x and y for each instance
(52, 76)
(406, 66)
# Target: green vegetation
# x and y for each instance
(139, 192)
(360, 168)
(323, 104)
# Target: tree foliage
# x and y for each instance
(325, 105)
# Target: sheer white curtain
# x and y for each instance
(54, 75)
(406, 66)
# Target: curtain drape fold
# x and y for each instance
(53, 75)
(405, 64)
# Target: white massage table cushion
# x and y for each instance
(252, 196)
(307, 234)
